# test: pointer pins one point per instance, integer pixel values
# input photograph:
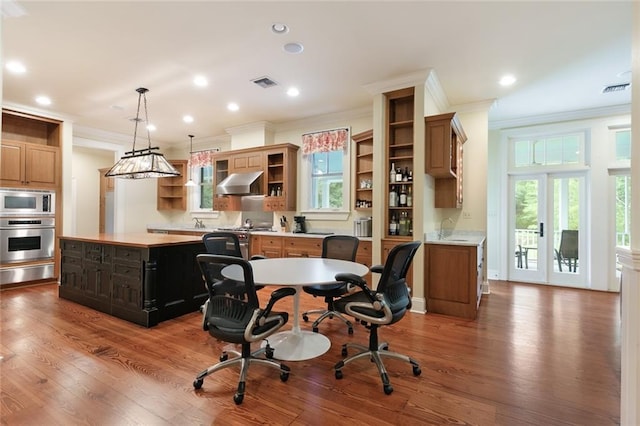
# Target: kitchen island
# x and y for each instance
(140, 277)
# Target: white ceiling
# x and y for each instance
(89, 57)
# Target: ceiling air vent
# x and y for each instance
(616, 88)
(264, 82)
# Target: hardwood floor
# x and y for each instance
(536, 355)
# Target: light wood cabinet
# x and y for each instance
(399, 155)
(302, 247)
(453, 282)
(281, 176)
(172, 194)
(363, 177)
(30, 151)
(444, 139)
(29, 165)
(247, 162)
(266, 245)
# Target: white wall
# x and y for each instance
(86, 187)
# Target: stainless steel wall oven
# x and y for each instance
(27, 235)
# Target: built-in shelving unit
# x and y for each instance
(363, 148)
(172, 194)
(399, 155)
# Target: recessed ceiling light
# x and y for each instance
(279, 28)
(200, 81)
(187, 119)
(16, 67)
(43, 100)
(151, 127)
(293, 92)
(507, 80)
(232, 106)
(293, 48)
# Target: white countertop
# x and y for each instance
(459, 238)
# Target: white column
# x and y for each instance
(630, 259)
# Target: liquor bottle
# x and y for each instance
(403, 225)
(410, 177)
(392, 173)
(409, 197)
(393, 225)
(399, 174)
(403, 197)
(405, 175)
(393, 197)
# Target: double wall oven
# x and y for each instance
(27, 235)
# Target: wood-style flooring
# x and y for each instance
(535, 355)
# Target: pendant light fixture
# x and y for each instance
(142, 163)
(190, 182)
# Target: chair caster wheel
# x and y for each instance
(350, 330)
(284, 376)
(388, 389)
(268, 352)
(344, 351)
(315, 329)
(305, 318)
(224, 357)
(197, 384)
(238, 399)
(339, 374)
(416, 371)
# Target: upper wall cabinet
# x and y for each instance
(444, 140)
(30, 151)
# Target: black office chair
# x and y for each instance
(374, 308)
(567, 254)
(342, 247)
(240, 319)
(226, 244)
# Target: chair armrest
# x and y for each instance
(357, 281)
(275, 296)
(377, 269)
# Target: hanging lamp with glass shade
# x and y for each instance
(190, 182)
(142, 163)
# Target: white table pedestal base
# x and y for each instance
(298, 346)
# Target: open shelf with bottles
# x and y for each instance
(399, 162)
(363, 148)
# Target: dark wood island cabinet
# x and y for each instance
(143, 278)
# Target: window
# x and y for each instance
(623, 210)
(549, 151)
(623, 145)
(327, 180)
(201, 168)
(325, 171)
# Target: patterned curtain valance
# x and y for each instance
(201, 158)
(329, 140)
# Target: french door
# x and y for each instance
(547, 229)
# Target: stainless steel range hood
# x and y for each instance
(240, 184)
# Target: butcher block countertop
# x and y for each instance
(137, 239)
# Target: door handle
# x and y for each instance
(540, 230)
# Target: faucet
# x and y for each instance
(440, 234)
(199, 224)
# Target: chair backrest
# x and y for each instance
(393, 282)
(569, 244)
(221, 287)
(343, 247)
(224, 243)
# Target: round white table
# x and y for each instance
(297, 272)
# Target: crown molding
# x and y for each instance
(251, 127)
(417, 78)
(327, 119)
(433, 86)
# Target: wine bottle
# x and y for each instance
(392, 173)
(393, 197)
(409, 197)
(405, 175)
(399, 174)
